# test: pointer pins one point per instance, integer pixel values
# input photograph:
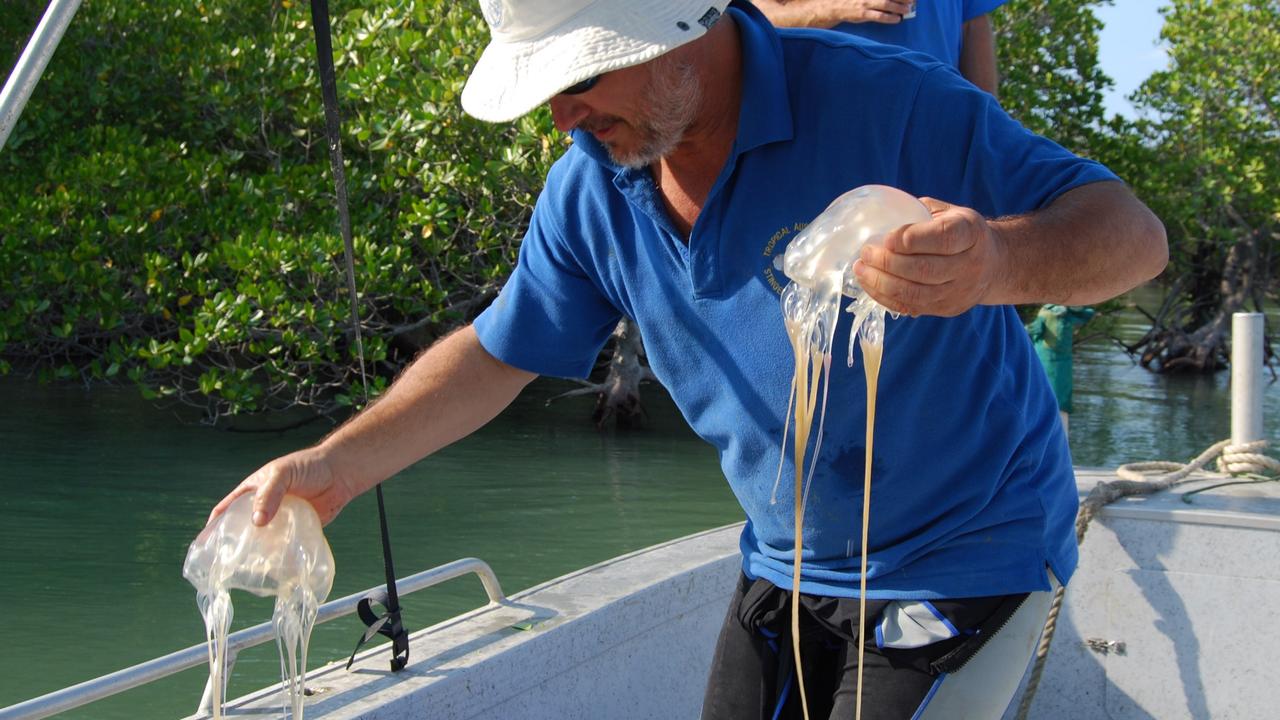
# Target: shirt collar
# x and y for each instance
(765, 114)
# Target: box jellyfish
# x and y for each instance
(289, 558)
(819, 264)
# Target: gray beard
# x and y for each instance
(673, 97)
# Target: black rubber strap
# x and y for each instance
(389, 623)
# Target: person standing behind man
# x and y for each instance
(957, 32)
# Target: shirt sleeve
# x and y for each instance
(960, 146)
(551, 317)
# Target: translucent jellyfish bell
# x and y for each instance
(822, 255)
(289, 552)
(831, 243)
(289, 559)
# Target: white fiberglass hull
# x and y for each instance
(1174, 613)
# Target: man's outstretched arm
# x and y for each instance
(447, 393)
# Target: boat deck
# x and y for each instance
(1174, 613)
(620, 634)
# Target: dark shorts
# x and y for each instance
(753, 675)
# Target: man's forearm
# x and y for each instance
(793, 13)
(978, 54)
(829, 13)
(448, 392)
(1093, 243)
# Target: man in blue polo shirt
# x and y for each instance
(703, 140)
(956, 32)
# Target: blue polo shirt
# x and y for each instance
(935, 30)
(973, 492)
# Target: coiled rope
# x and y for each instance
(1242, 459)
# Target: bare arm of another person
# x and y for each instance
(1092, 243)
(978, 54)
(829, 13)
(447, 393)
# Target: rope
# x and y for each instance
(1246, 458)
(1232, 460)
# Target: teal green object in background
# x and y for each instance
(1051, 333)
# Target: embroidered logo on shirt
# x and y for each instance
(709, 18)
(773, 249)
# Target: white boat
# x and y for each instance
(1174, 613)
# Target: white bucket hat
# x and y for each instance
(540, 47)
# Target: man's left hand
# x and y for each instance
(940, 267)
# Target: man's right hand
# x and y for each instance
(305, 473)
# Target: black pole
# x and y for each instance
(388, 624)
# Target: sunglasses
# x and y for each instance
(580, 87)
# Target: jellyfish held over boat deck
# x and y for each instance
(288, 558)
(819, 265)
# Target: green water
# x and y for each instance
(100, 493)
(1124, 413)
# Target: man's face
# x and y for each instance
(638, 113)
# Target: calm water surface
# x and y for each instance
(100, 493)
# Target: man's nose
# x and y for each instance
(567, 112)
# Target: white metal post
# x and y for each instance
(26, 73)
(1246, 378)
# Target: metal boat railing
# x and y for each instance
(152, 670)
(30, 66)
